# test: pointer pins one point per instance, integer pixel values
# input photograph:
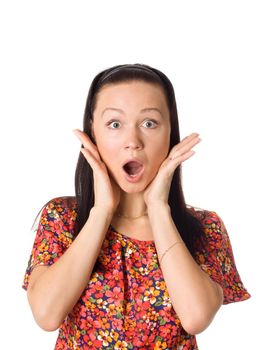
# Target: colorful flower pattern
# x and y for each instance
(125, 304)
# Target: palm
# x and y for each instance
(158, 189)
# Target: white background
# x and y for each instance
(51, 51)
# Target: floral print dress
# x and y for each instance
(125, 304)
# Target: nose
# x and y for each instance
(133, 141)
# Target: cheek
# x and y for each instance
(106, 146)
(161, 152)
(108, 150)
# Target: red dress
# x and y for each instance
(125, 304)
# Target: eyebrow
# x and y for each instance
(144, 110)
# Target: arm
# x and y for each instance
(53, 293)
(194, 296)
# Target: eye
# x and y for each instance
(147, 121)
(112, 122)
(150, 121)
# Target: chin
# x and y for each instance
(132, 187)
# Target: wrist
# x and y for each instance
(107, 212)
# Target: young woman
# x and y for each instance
(126, 263)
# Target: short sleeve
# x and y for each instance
(216, 258)
(52, 238)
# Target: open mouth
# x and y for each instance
(132, 168)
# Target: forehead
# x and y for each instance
(126, 93)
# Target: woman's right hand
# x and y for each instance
(107, 192)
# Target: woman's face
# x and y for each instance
(131, 119)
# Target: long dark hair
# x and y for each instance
(187, 223)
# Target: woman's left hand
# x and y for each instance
(158, 190)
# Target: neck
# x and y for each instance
(131, 205)
(130, 217)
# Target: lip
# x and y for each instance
(136, 177)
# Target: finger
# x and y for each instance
(90, 159)
(182, 148)
(179, 159)
(87, 143)
(185, 141)
(189, 137)
(84, 138)
(190, 143)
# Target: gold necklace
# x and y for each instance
(129, 217)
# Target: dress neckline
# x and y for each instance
(125, 237)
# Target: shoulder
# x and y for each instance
(63, 208)
(207, 217)
(60, 205)
(57, 209)
(212, 224)
(57, 221)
